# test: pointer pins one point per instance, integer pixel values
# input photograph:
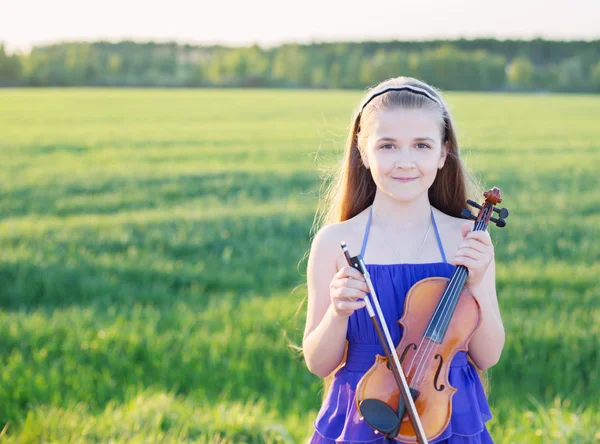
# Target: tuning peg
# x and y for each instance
(466, 213)
(503, 212)
(499, 222)
(473, 204)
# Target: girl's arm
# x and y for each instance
(487, 343)
(325, 333)
(476, 252)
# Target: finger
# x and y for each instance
(348, 282)
(481, 236)
(352, 278)
(350, 272)
(353, 283)
(474, 244)
(471, 264)
(349, 305)
(466, 228)
(351, 294)
(470, 253)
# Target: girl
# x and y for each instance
(397, 199)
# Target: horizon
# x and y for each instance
(269, 46)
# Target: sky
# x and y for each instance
(26, 23)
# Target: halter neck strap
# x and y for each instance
(367, 229)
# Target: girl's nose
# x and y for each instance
(404, 159)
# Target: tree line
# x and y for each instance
(476, 65)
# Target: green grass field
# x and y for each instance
(151, 261)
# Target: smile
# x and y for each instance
(404, 179)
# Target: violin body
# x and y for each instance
(426, 363)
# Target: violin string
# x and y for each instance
(419, 351)
(432, 345)
(424, 355)
(430, 348)
(450, 284)
(445, 307)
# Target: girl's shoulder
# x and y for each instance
(350, 231)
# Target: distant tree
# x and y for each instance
(414, 65)
(216, 70)
(572, 75)
(478, 64)
(290, 67)
(351, 70)
(595, 77)
(519, 73)
(388, 64)
(366, 74)
(334, 76)
(10, 68)
(490, 70)
(546, 77)
(258, 66)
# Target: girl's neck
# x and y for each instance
(402, 216)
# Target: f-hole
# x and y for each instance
(437, 374)
(404, 352)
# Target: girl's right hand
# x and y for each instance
(347, 290)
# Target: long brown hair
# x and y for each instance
(351, 188)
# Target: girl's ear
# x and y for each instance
(444, 155)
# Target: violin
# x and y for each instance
(440, 318)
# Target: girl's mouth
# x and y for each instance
(404, 179)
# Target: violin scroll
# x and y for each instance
(492, 197)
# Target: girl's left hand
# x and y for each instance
(475, 252)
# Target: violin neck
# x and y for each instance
(436, 330)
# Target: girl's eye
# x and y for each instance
(420, 145)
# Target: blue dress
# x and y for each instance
(339, 420)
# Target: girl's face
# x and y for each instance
(404, 151)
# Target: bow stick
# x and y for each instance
(388, 346)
